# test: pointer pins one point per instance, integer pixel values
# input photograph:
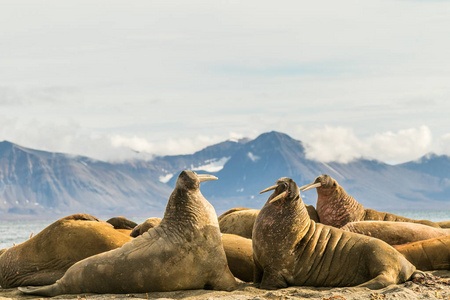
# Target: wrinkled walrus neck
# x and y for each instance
(338, 208)
(295, 217)
(188, 210)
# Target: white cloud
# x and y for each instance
(444, 144)
(71, 138)
(404, 145)
(152, 77)
(342, 145)
(333, 144)
(326, 144)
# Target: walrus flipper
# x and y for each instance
(378, 282)
(46, 290)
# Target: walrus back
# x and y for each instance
(431, 254)
(395, 233)
(373, 215)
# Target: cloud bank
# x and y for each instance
(342, 145)
(323, 144)
(370, 79)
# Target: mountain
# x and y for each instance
(273, 155)
(432, 164)
(38, 183)
(44, 183)
(436, 166)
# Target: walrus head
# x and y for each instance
(189, 180)
(285, 189)
(334, 206)
(284, 215)
(324, 184)
(187, 202)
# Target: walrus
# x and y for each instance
(238, 250)
(289, 249)
(427, 255)
(444, 224)
(145, 226)
(240, 220)
(395, 233)
(45, 257)
(184, 252)
(336, 208)
(121, 223)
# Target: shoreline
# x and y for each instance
(434, 286)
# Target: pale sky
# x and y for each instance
(350, 79)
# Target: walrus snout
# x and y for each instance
(284, 188)
(322, 181)
(191, 180)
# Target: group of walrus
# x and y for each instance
(285, 243)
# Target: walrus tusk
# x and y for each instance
(310, 186)
(282, 195)
(269, 189)
(206, 177)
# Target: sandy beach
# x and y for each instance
(434, 286)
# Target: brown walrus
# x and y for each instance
(45, 257)
(240, 220)
(121, 223)
(184, 252)
(289, 249)
(432, 254)
(145, 226)
(239, 254)
(395, 233)
(238, 250)
(336, 208)
(444, 224)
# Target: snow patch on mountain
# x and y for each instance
(253, 157)
(212, 165)
(165, 178)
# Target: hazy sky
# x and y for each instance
(348, 78)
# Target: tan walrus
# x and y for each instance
(395, 233)
(184, 252)
(432, 254)
(336, 208)
(240, 220)
(239, 254)
(444, 224)
(45, 257)
(145, 226)
(289, 249)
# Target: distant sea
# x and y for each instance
(18, 231)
